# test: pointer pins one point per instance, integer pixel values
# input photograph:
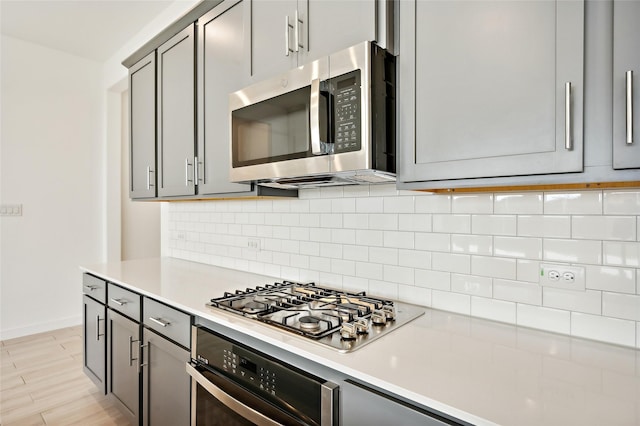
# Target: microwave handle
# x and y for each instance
(314, 112)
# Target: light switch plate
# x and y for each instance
(562, 276)
(11, 210)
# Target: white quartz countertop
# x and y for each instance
(479, 371)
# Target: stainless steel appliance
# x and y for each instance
(341, 320)
(234, 384)
(329, 122)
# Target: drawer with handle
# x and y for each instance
(94, 287)
(124, 301)
(167, 321)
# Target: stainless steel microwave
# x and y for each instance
(329, 122)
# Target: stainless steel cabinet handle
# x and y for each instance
(140, 363)
(131, 358)
(149, 172)
(568, 142)
(314, 111)
(159, 322)
(186, 172)
(119, 302)
(287, 27)
(629, 81)
(229, 401)
(196, 171)
(91, 287)
(98, 319)
(297, 32)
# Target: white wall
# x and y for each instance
(52, 110)
(476, 254)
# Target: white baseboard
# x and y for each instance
(40, 328)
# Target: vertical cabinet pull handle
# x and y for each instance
(629, 81)
(568, 142)
(98, 319)
(131, 358)
(287, 26)
(140, 363)
(297, 32)
(149, 172)
(186, 172)
(196, 171)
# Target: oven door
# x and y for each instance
(217, 400)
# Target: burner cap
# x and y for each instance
(309, 323)
(253, 307)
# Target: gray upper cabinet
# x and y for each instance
(176, 115)
(223, 67)
(626, 84)
(490, 89)
(288, 33)
(142, 110)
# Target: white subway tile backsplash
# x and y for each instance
(472, 203)
(472, 244)
(477, 254)
(454, 224)
(432, 203)
(454, 302)
(520, 247)
(544, 226)
(493, 224)
(517, 291)
(575, 251)
(460, 263)
(526, 203)
(432, 242)
(621, 254)
(492, 309)
(578, 202)
(620, 280)
(496, 267)
(622, 228)
(617, 305)
(399, 239)
(622, 202)
(554, 320)
(588, 301)
(612, 330)
(472, 284)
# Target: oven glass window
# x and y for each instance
(211, 412)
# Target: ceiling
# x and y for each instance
(93, 29)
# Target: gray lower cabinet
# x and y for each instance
(176, 115)
(95, 347)
(123, 364)
(224, 36)
(490, 89)
(166, 387)
(142, 129)
(626, 84)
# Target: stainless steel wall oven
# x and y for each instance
(237, 385)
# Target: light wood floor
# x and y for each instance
(42, 383)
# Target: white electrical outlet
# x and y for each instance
(562, 276)
(253, 244)
(11, 210)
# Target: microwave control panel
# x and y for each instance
(347, 112)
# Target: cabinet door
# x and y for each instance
(223, 46)
(176, 115)
(271, 36)
(95, 346)
(333, 25)
(123, 359)
(166, 384)
(484, 88)
(626, 57)
(142, 137)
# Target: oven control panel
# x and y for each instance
(262, 376)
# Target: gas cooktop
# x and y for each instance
(342, 320)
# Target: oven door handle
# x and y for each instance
(229, 401)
